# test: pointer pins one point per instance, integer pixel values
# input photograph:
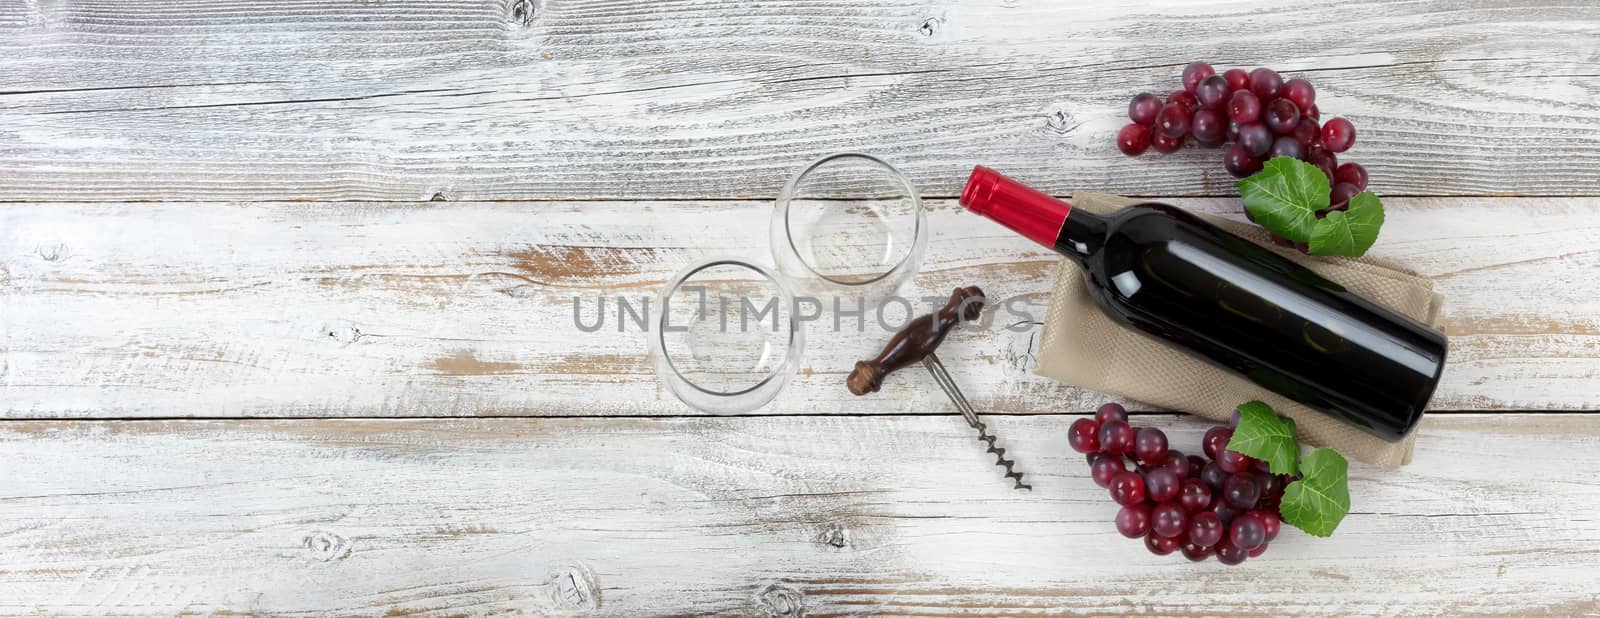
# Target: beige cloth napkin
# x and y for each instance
(1085, 347)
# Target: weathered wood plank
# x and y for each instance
(519, 99)
(847, 514)
(461, 309)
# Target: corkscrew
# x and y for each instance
(917, 342)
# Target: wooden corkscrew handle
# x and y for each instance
(918, 339)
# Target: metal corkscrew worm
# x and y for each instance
(917, 341)
(941, 376)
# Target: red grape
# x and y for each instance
(1338, 135)
(1194, 495)
(1274, 489)
(1285, 146)
(1133, 140)
(1215, 440)
(1243, 107)
(1245, 532)
(1220, 508)
(1212, 92)
(1184, 98)
(1308, 132)
(1260, 549)
(1194, 73)
(1161, 484)
(1142, 109)
(1239, 162)
(1256, 139)
(1110, 412)
(1228, 554)
(1262, 480)
(1150, 445)
(1240, 492)
(1270, 522)
(1214, 476)
(1178, 463)
(1207, 128)
(1301, 92)
(1168, 519)
(1232, 461)
(1127, 488)
(1281, 116)
(1083, 436)
(1342, 192)
(1195, 553)
(1311, 112)
(1196, 462)
(1318, 155)
(1173, 121)
(1205, 529)
(1164, 144)
(1106, 466)
(1238, 79)
(1116, 437)
(1352, 173)
(1161, 545)
(1265, 83)
(1133, 521)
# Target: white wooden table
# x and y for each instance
(285, 300)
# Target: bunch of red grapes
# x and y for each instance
(1224, 504)
(1262, 115)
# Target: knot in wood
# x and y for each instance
(343, 333)
(327, 546)
(52, 253)
(779, 601)
(522, 12)
(834, 535)
(575, 588)
(1059, 121)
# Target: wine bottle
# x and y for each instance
(1174, 276)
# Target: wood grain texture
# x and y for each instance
(535, 99)
(880, 516)
(464, 309)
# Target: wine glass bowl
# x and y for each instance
(727, 340)
(849, 223)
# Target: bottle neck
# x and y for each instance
(1082, 235)
(1033, 214)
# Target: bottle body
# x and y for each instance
(1243, 307)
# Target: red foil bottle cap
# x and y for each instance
(1015, 205)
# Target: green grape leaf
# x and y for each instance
(1349, 233)
(1320, 500)
(1284, 197)
(1264, 435)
